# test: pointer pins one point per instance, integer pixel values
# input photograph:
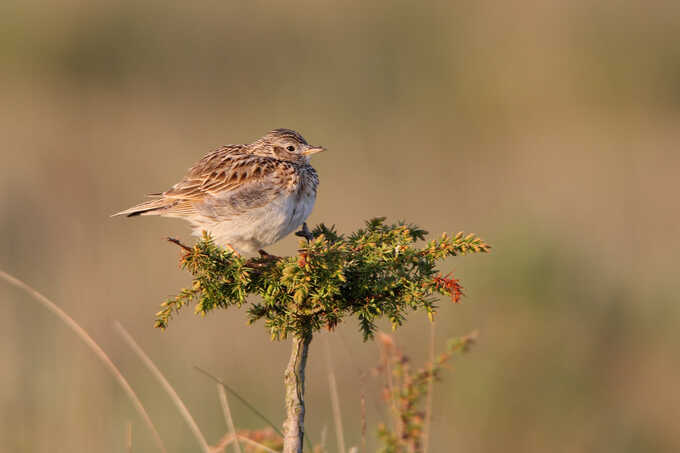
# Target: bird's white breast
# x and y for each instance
(263, 226)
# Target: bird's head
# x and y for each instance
(285, 144)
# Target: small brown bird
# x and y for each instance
(246, 196)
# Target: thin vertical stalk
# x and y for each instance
(335, 399)
(428, 405)
(128, 437)
(242, 400)
(294, 380)
(227, 417)
(362, 386)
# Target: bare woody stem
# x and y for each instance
(294, 379)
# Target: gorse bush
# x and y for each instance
(379, 271)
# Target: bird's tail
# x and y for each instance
(152, 207)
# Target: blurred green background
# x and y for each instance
(551, 129)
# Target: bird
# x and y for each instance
(247, 196)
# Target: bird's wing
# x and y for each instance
(206, 172)
(227, 182)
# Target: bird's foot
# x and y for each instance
(263, 261)
(266, 256)
(305, 233)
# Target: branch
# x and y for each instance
(177, 242)
(294, 379)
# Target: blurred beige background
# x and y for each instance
(551, 129)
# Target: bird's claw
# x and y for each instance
(267, 256)
(305, 233)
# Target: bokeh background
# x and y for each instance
(551, 129)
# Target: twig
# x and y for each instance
(227, 416)
(177, 242)
(168, 388)
(99, 352)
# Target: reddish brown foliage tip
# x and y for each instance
(450, 285)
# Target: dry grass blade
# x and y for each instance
(241, 399)
(337, 416)
(128, 440)
(362, 386)
(227, 416)
(230, 438)
(324, 431)
(430, 386)
(226, 440)
(99, 352)
(166, 385)
(256, 445)
(335, 400)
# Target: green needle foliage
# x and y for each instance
(377, 271)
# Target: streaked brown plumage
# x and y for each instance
(246, 196)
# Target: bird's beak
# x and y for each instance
(313, 150)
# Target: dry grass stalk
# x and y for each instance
(184, 412)
(324, 433)
(128, 437)
(252, 443)
(335, 399)
(227, 416)
(230, 438)
(241, 399)
(430, 385)
(224, 442)
(362, 386)
(99, 352)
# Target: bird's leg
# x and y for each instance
(305, 233)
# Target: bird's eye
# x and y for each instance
(290, 148)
